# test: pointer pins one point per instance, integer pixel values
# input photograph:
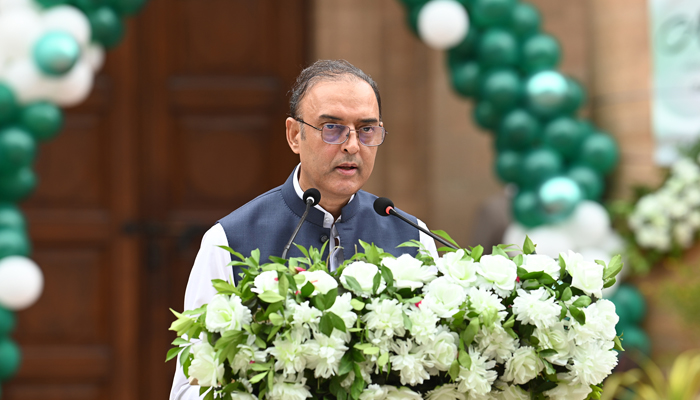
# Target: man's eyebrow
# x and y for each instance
(334, 118)
(331, 117)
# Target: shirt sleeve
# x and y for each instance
(210, 263)
(427, 241)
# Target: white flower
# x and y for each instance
(344, 310)
(498, 271)
(443, 349)
(290, 355)
(511, 392)
(541, 262)
(379, 340)
(446, 392)
(242, 396)
(486, 304)
(403, 393)
(247, 353)
(524, 366)
(593, 361)
(282, 390)
(385, 316)
(409, 272)
(456, 267)
(566, 390)
(205, 370)
(364, 274)
(555, 337)
(321, 280)
(495, 343)
(423, 322)
(266, 281)
(536, 308)
(444, 297)
(374, 392)
(600, 323)
(324, 354)
(409, 360)
(226, 313)
(587, 275)
(684, 234)
(478, 378)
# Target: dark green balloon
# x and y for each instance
(525, 20)
(540, 52)
(497, 48)
(545, 93)
(17, 149)
(52, 3)
(412, 18)
(508, 166)
(8, 321)
(629, 304)
(127, 7)
(565, 135)
(56, 53)
(599, 151)
(465, 78)
(107, 26)
(43, 119)
(88, 5)
(635, 339)
(407, 3)
(10, 358)
(575, 96)
(486, 115)
(11, 218)
(590, 182)
(464, 52)
(8, 104)
(17, 185)
(539, 165)
(559, 197)
(503, 89)
(527, 209)
(489, 13)
(13, 243)
(519, 130)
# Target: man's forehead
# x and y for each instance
(336, 89)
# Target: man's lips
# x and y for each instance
(346, 168)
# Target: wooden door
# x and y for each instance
(186, 123)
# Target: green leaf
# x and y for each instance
(326, 324)
(179, 341)
(566, 294)
(358, 384)
(232, 251)
(548, 385)
(283, 284)
(261, 366)
(257, 378)
(465, 360)
(511, 332)
(387, 275)
(528, 246)
(618, 344)
(519, 260)
(445, 236)
(345, 364)
(376, 282)
(172, 353)
(549, 370)
(578, 315)
(270, 379)
(454, 370)
(509, 322)
(353, 283)
(613, 268)
(330, 297)
(371, 350)
(383, 359)
(307, 289)
(276, 319)
(471, 331)
(609, 282)
(337, 322)
(546, 280)
(185, 355)
(407, 321)
(270, 297)
(548, 353)
(534, 341)
(303, 250)
(497, 251)
(260, 343)
(477, 252)
(531, 284)
(582, 302)
(523, 274)
(372, 254)
(357, 305)
(223, 287)
(318, 302)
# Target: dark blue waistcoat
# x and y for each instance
(267, 223)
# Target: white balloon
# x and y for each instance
(19, 29)
(592, 254)
(612, 243)
(27, 81)
(94, 55)
(68, 19)
(21, 282)
(550, 241)
(7, 5)
(588, 224)
(514, 234)
(75, 87)
(442, 23)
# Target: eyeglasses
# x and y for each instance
(339, 134)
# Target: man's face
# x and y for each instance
(336, 170)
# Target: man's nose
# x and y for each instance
(352, 145)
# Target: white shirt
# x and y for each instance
(211, 263)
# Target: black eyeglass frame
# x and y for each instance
(348, 134)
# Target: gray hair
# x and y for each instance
(327, 70)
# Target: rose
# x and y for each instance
(446, 392)
(524, 366)
(444, 297)
(458, 269)
(443, 350)
(374, 392)
(266, 281)
(587, 275)
(364, 275)
(566, 390)
(403, 393)
(555, 337)
(226, 313)
(282, 390)
(498, 270)
(511, 392)
(409, 272)
(205, 370)
(321, 281)
(541, 262)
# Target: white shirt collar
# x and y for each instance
(327, 217)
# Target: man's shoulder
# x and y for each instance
(267, 199)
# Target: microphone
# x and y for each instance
(311, 198)
(385, 207)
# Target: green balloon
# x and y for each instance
(13, 243)
(508, 166)
(43, 119)
(8, 104)
(11, 218)
(519, 130)
(599, 151)
(17, 185)
(634, 338)
(10, 358)
(559, 197)
(51, 3)
(545, 93)
(525, 20)
(17, 149)
(488, 13)
(8, 321)
(88, 5)
(539, 165)
(407, 3)
(107, 26)
(503, 89)
(564, 135)
(465, 51)
(465, 78)
(127, 7)
(539, 53)
(497, 48)
(486, 115)
(629, 305)
(590, 182)
(56, 53)
(527, 209)
(575, 96)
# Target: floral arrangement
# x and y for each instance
(462, 326)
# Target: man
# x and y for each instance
(336, 128)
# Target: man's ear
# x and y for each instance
(293, 134)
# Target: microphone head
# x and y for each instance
(382, 206)
(312, 194)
